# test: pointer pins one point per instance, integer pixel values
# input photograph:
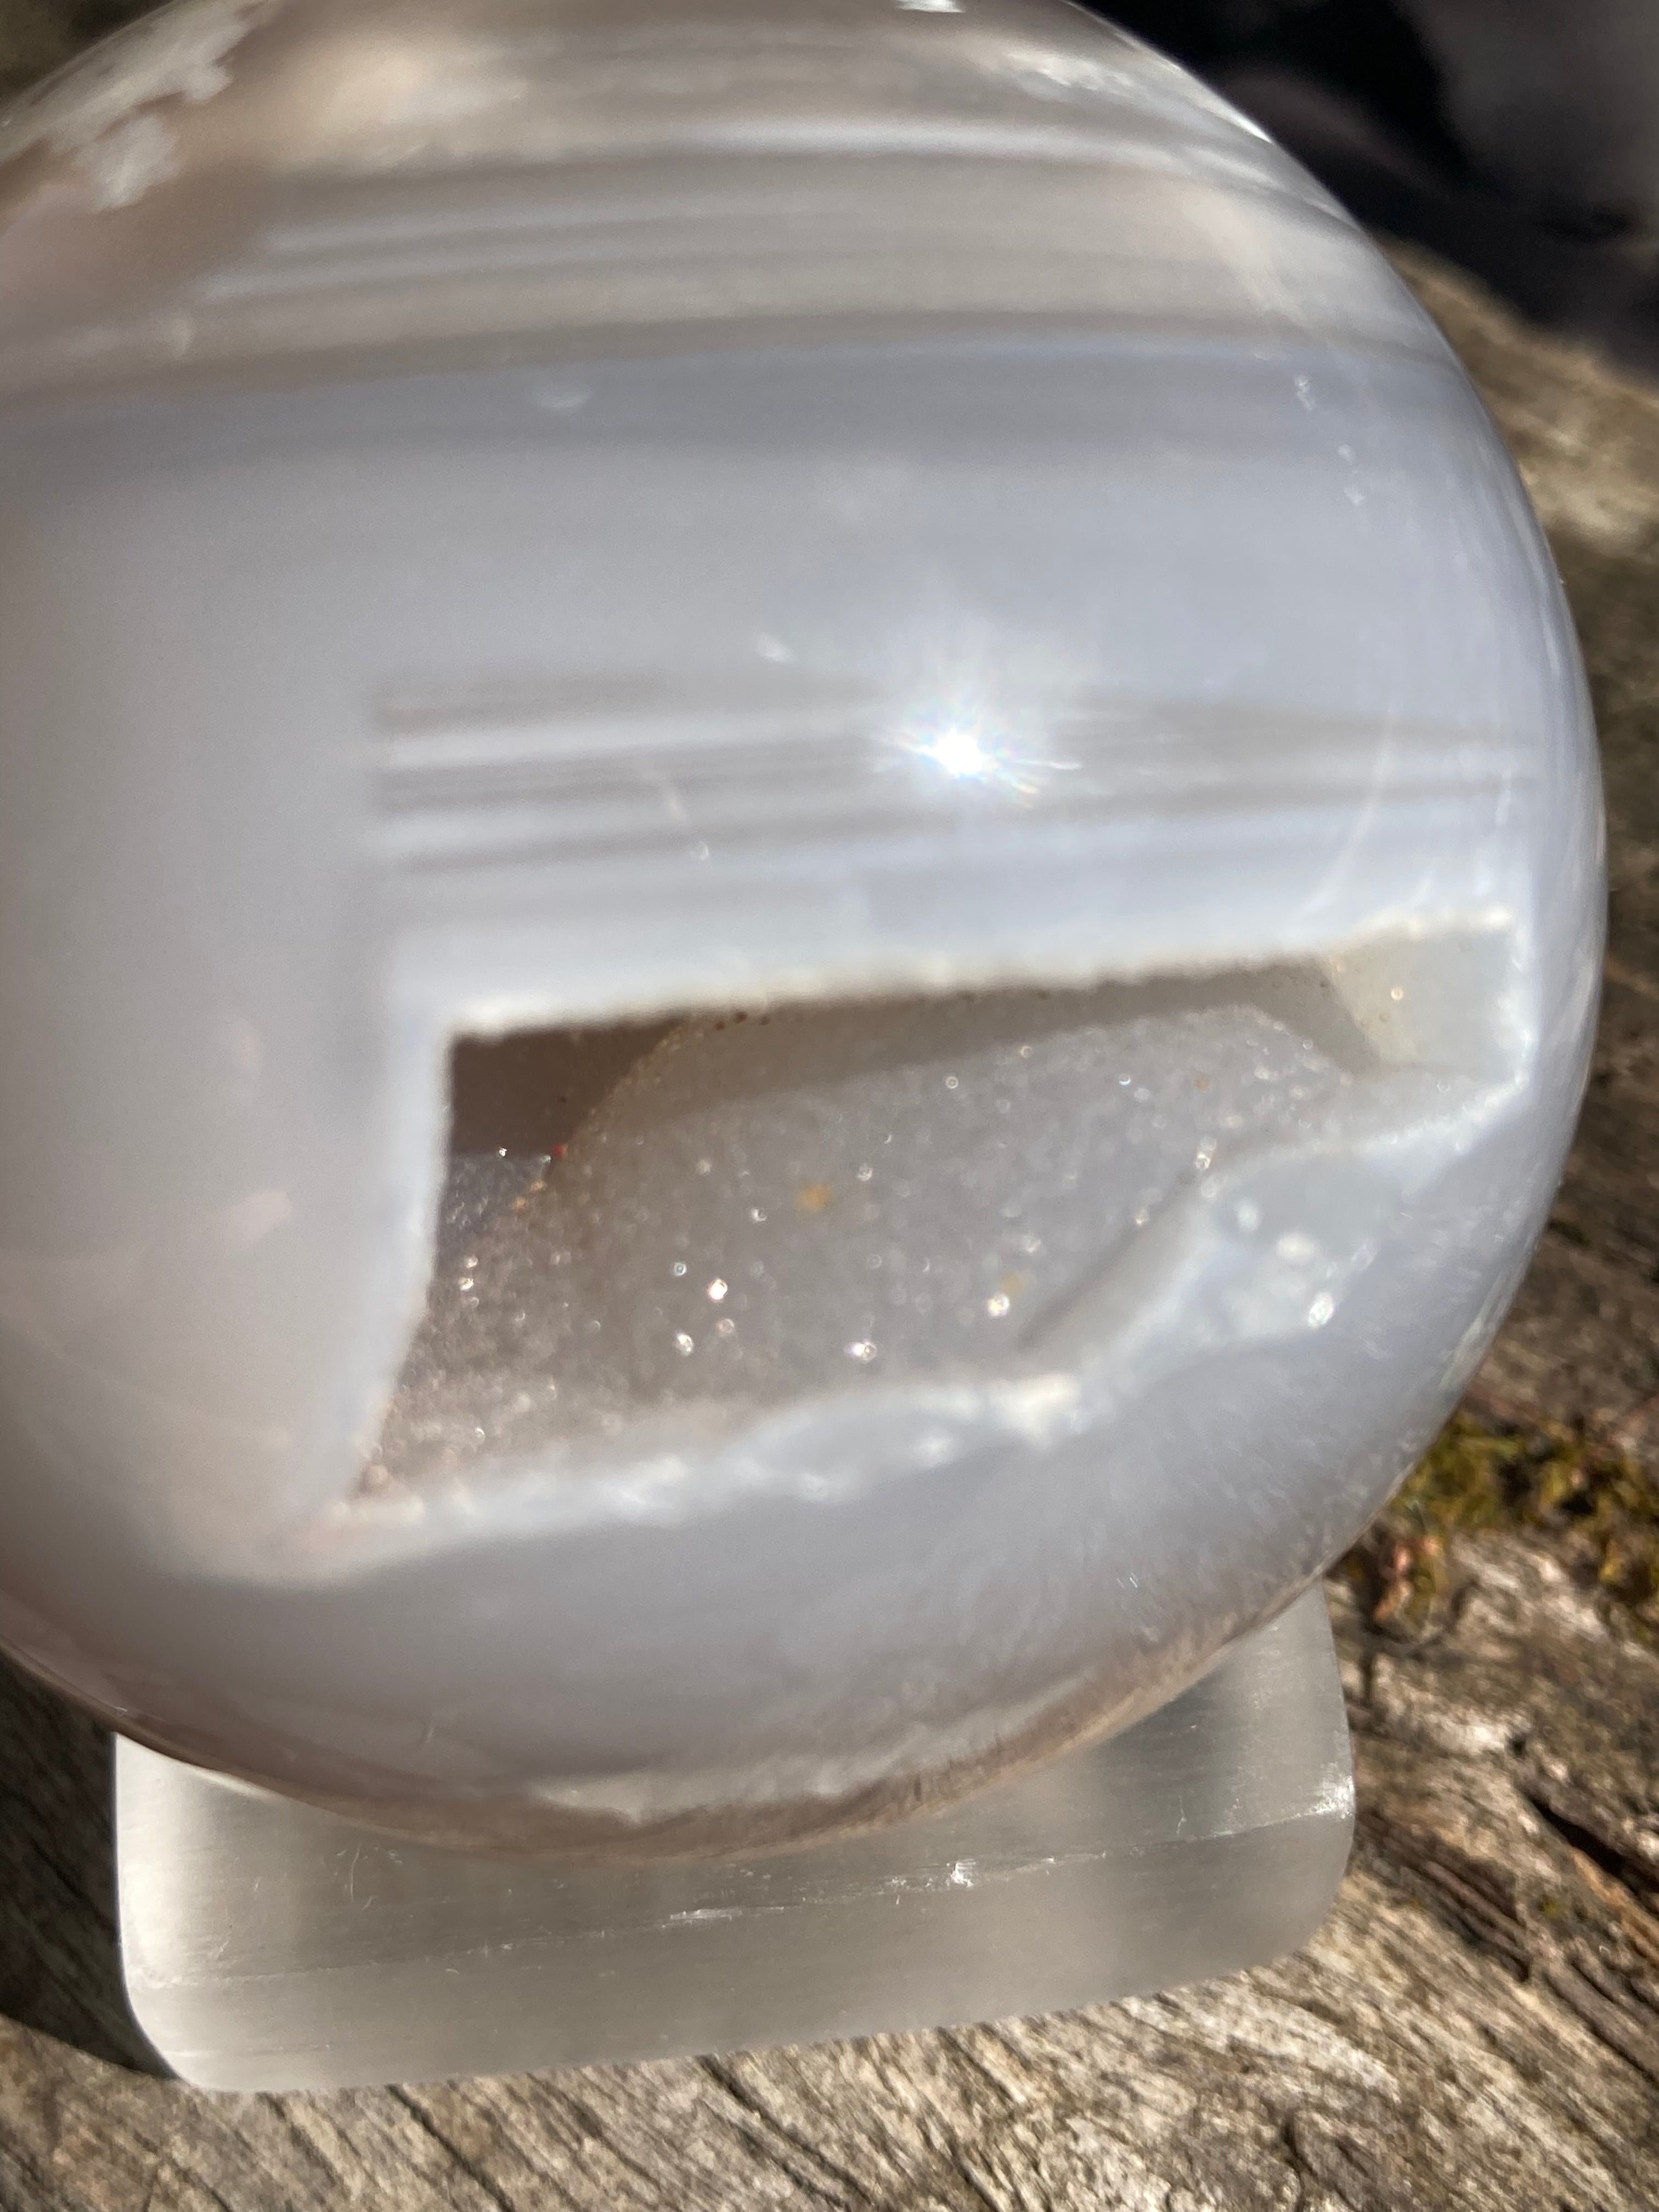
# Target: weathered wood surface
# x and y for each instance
(1478, 2024)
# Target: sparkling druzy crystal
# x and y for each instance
(895, 601)
(915, 1189)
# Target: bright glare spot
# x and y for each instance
(957, 751)
(959, 735)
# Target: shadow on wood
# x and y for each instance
(60, 1971)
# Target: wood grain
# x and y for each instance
(1476, 2027)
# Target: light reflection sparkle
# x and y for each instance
(958, 752)
(966, 747)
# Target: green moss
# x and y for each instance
(1600, 1507)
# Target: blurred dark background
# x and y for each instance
(1519, 138)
